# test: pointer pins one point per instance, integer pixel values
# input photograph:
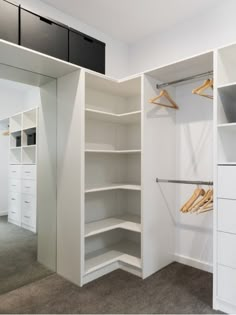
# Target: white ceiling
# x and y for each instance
(131, 20)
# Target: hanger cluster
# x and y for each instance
(201, 201)
(209, 83)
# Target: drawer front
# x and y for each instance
(87, 52)
(43, 35)
(28, 218)
(14, 214)
(14, 200)
(227, 182)
(227, 249)
(227, 215)
(227, 284)
(15, 185)
(29, 187)
(9, 22)
(15, 172)
(29, 172)
(28, 203)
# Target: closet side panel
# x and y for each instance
(47, 176)
(158, 160)
(70, 176)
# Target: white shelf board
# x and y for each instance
(226, 85)
(113, 151)
(125, 118)
(113, 187)
(126, 252)
(15, 148)
(231, 126)
(226, 163)
(29, 127)
(131, 223)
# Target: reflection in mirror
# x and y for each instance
(27, 177)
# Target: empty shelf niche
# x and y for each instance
(109, 210)
(29, 155)
(227, 105)
(226, 145)
(105, 96)
(226, 65)
(30, 119)
(15, 155)
(16, 123)
(112, 247)
(108, 172)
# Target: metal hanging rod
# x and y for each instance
(188, 182)
(197, 76)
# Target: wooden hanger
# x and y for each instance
(166, 95)
(209, 208)
(196, 194)
(209, 83)
(208, 196)
(6, 133)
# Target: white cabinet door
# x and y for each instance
(227, 249)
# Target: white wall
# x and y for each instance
(116, 51)
(14, 98)
(194, 156)
(210, 30)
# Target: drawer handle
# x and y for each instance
(88, 39)
(45, 20)
(27, 186)
(27, 172)
(13, 171)
(13, 199)
(13, 212)
(27, 202)
(13, 185)
(26, 216)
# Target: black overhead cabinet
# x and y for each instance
(26, 28)
(86, 51)
(9, 22)
(43, 35)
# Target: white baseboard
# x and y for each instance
(3, 213)
(199, 264)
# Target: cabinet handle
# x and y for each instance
(27, 202)
(13, 185)
(27, 217)
(13, 212)
(13, 171)
(88, 39)
(27, 172)
(45, 20)
(13, 199)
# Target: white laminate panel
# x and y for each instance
(227, 284)
(227, 182)
(226, 219)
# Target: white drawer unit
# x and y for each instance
(29, 172)
(28, 217)
(29, 186)
(14, 212)
(15, 185)
(226, 284)
(227, 182)
(15, 171)
(226, 219)
(227, 249)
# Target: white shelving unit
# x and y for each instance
(112, 170)
(22, 175)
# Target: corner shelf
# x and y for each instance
(113, 187)
(126, 118)
(131, 223)
(126, 252)
(113, 151)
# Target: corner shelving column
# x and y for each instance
(225, 170)
(112, 176)
(22, 175)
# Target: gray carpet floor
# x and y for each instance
(177, 289)
(18, 254)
